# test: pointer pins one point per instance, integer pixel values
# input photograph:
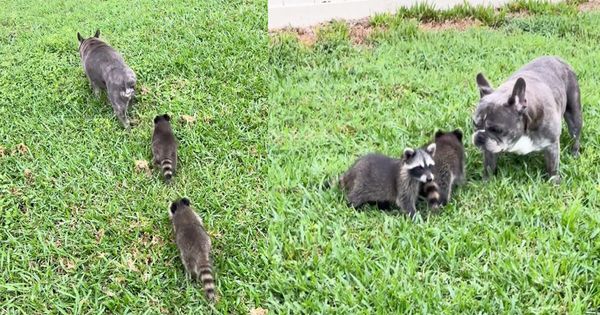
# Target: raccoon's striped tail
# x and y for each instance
(167, 167)
(205, 275)
(432, 192)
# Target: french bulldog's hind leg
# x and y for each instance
(490, 161)
(96, 88)
(552, 158)
(573, 115)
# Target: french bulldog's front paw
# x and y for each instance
(555, 180)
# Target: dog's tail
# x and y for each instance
(432, 193)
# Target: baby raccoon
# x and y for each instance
(164, 146)
(449, 168)
(194, 245)
(106, 70)
(378, 178)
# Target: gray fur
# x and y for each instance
(449, 168)
(106, 70)
(194, 245)
(164, 146)
(381, 179)
(528, 108)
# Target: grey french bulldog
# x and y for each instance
(523, 114)
(106, 70)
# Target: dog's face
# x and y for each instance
(500, 118)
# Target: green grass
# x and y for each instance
(81, 231)
(85, 232)
(515, 244)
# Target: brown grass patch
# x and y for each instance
(592, 5)
(460, 25)
(359, 30)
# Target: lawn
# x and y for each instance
(515, 244)
(83, 231)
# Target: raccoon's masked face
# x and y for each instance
(419, 163)
(177, 205)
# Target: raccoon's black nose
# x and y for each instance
(479, 139)
(429, 178)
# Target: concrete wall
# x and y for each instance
(302, 13)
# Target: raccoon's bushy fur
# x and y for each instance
(164, 146)
(194, 245)
(106, 70)
(376, 178)
(449, 168)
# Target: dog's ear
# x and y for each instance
(484, 86)
(517, 98)
(80, 38)
(97, 35)
(438, 134)
(431, 149)
(458, 133)
(408, 153)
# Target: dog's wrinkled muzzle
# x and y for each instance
(479, 139)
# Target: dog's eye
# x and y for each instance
(494, 129)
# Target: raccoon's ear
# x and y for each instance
(80, 38)
(97, 34)
(458, 133)
(173, 207)
(166, 117)
(517, 98)
(431, 149)
(408, 153)
(438, 134)
(484, 86)
(185, 201)
(157, 119)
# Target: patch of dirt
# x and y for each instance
(460, 25)
(592, 5)
(144, 90)
(360, 31)
(142, 166)
(259, 311)
(306, 36)
(2, 151)
(28, 176)
(22, 149)
(518, 14)
(187, 119)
